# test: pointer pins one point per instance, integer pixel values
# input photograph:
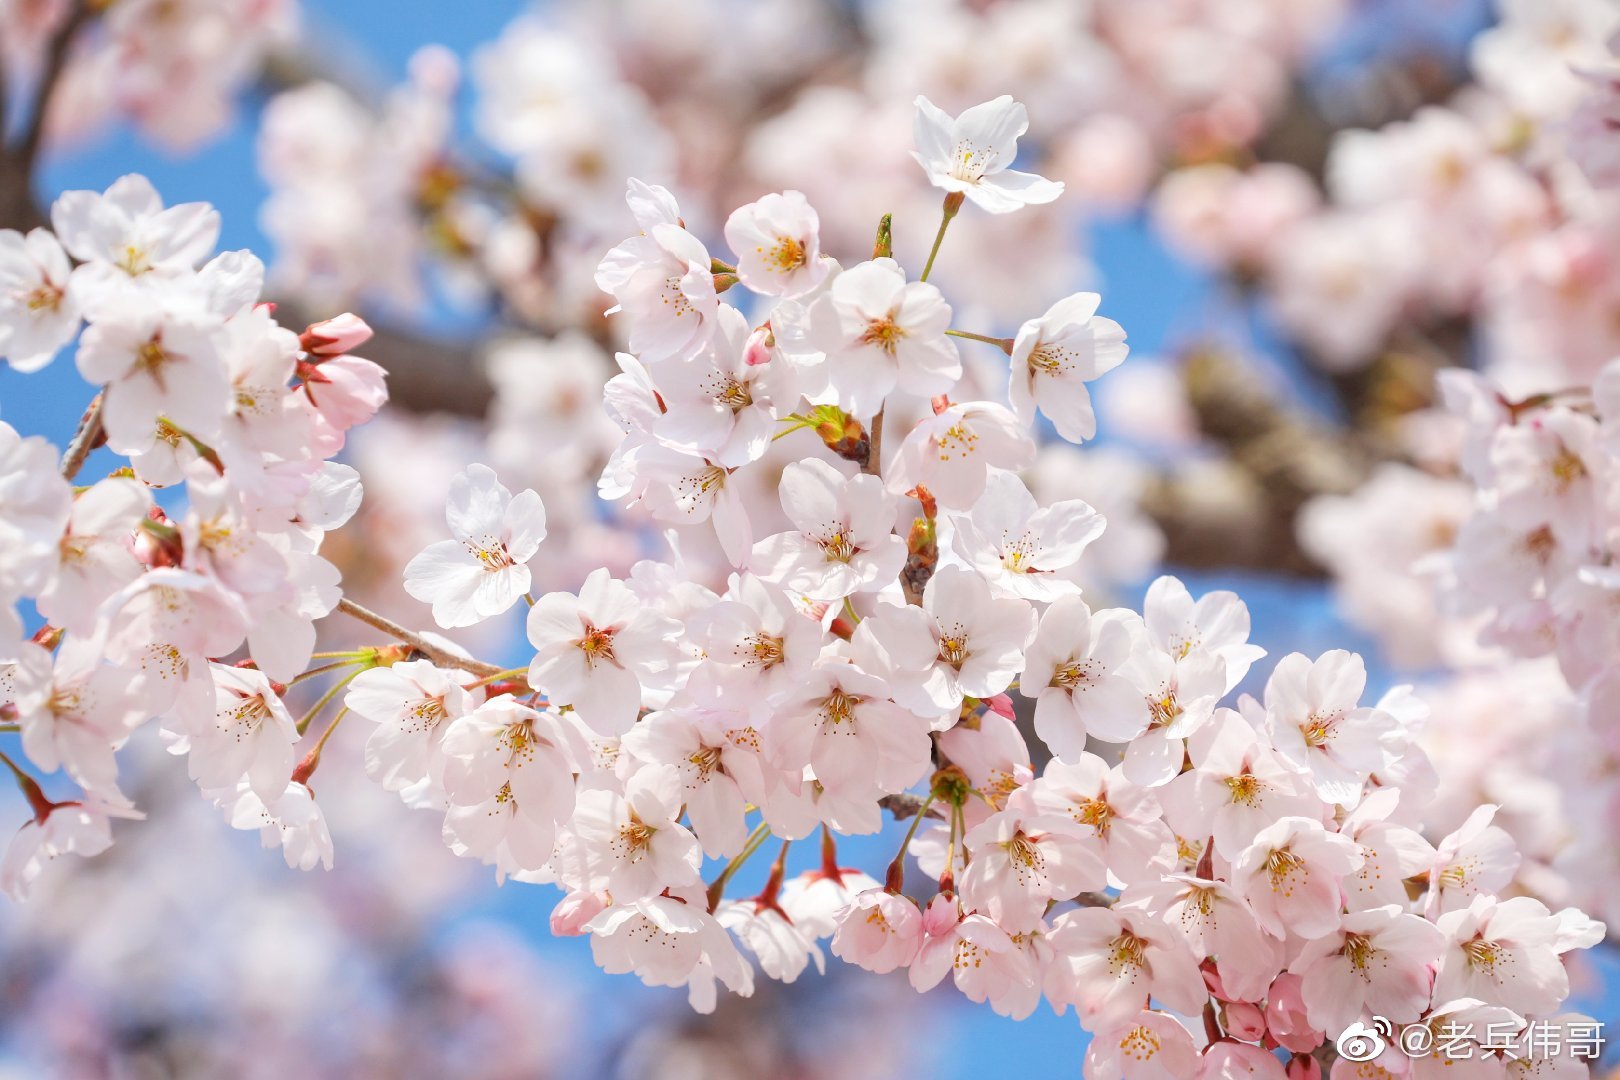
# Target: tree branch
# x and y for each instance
(905, 805)
(85, 439)
(441, 656)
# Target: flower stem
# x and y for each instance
(953, 203)
(312, 760)
(895, 880)
(326, 699)
(509, 673)
(1004, 344)
(324, 668)
(755, 841)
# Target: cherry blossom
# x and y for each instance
(961, 642)
(484, 570)
(1054, 356)
(1025, 549)
(879, 332)
(670, 941)
(1313, 711)
(127, 240)
(413, 704)
(1381, 959)
(951, 454)
(1290, 874)
(1070, 669)
(971, 154)
(632, 842)
(1108, 962)
(594, 651)
(724, 400)
(878, 931)
(850, 731)
(246, 732)
(778, 245)
(1024, 857)
(37, 314)
(843, 541)
(662, 281)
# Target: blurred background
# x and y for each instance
(1300, 210)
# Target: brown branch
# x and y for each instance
(56, 54)
(906, 805)
(441, 656)
(85, 439)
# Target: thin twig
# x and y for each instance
(442, 657)
(84, 440)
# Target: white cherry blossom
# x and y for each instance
(971, 154)
(484, 570)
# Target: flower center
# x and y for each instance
(1094, 812)
(1246, 790)
(1126, 951)
(972, 162)
(1317, 730)
(134, 261)
(1140, 1044)
(426, 714)
(883, 333)
(787, 255)
(734, 395)
(1164, 709)
(1567, 468)
(1071, 674)
(839, 708)
(150, 359)
(635, 838)
(1049, 360)
(958, 440)
(839, 547)
(1482, 954)
(1359, 951)
(597, 645)
(44, 297)
(707, 759)
(1282, 866)
(764, 651)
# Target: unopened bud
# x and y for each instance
(1244, 1021)
(883, 246)
(843, 434)
(1305, 1067)
(335, 336)
(757, 351)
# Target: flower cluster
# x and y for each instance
(1181, 851)
(200, 392)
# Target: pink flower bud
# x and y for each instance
(1285, 1016)
(573, 911)
(1304, 1067)
(336, 335)
(1001, 705)
(758, 349)
(346, 391)
(1245, 1021)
